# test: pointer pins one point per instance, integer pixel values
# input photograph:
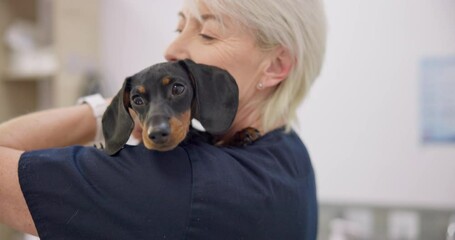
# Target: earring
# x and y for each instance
(260, 86)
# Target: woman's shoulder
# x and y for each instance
(278, 148)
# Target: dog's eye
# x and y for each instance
(177, 89)
(137, 100)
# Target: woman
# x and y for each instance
(266, 190)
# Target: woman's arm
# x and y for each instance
(50, 128)
(46, 129)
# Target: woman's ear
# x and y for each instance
(278, 67)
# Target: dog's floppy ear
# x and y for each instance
(117, 121)
(216, 96)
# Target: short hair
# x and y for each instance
(299, 26)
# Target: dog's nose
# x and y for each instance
(160, 132)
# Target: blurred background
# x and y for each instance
(379, 123)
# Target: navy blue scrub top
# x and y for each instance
(196, 191)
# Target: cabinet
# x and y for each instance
(67, 31)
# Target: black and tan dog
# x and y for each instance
(166, 96)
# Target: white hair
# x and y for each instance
(299, 26)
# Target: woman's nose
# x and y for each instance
(177, 50)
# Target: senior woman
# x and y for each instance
(266, 190)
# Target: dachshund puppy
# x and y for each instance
(166, 96)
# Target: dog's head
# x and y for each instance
(166, 96)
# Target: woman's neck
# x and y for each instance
(248, 116)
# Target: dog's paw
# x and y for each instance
(245, 137)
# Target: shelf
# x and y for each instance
(11, 76)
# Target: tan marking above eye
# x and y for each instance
(141, 89)
(165, 81)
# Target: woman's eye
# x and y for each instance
(177, 89)
(137, 100)
(206, 37)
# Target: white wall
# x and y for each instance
(361, 121)
(134, 35)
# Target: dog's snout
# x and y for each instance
(160, 130)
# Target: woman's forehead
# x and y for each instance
(199, 10)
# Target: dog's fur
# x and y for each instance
(166, 96)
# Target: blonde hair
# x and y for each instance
(299, 26)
